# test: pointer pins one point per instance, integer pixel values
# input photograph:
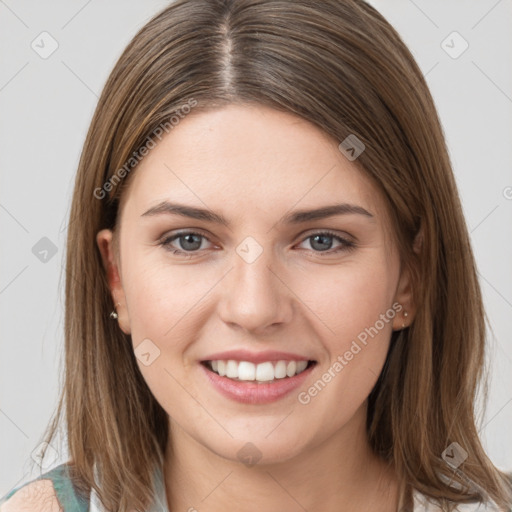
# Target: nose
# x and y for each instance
(255, 297)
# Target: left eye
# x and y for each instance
(322, 242)
(191, 242)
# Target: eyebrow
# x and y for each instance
(295, 217)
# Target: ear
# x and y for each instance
(105, 241)
(404, 293)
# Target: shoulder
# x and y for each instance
(52, 491)
(36, 496)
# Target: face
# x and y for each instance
(221, 269)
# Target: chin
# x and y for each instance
(257, 449)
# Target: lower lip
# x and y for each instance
(249, 392)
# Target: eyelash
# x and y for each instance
(347, 245)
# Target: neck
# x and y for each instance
(341, 472)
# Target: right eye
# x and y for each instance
(189, 242)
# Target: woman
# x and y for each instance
(269, 277)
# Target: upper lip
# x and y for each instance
(255, 357)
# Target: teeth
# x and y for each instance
(301, 366)
(280, 370)
(246, 370)
(232, 370)
(263, 372)
(291, 368)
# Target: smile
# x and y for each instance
(261, 378)
(267, 371)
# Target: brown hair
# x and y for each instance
(340, 65)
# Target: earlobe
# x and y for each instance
(402, 319)
(405, 297)
(105, 242)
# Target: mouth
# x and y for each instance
(265, 372)
(256, 377)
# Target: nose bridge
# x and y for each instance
(254, 297)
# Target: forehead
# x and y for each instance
(248, 159)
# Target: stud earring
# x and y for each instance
(114, 315)
(405, 316)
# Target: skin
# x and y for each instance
(253, 165)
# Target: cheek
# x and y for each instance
(349, 298)
(160, 297)
(355, 303)
(164, 303)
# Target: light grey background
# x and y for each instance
(46, 106)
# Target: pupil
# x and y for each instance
(324, 239)
(189, 239)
